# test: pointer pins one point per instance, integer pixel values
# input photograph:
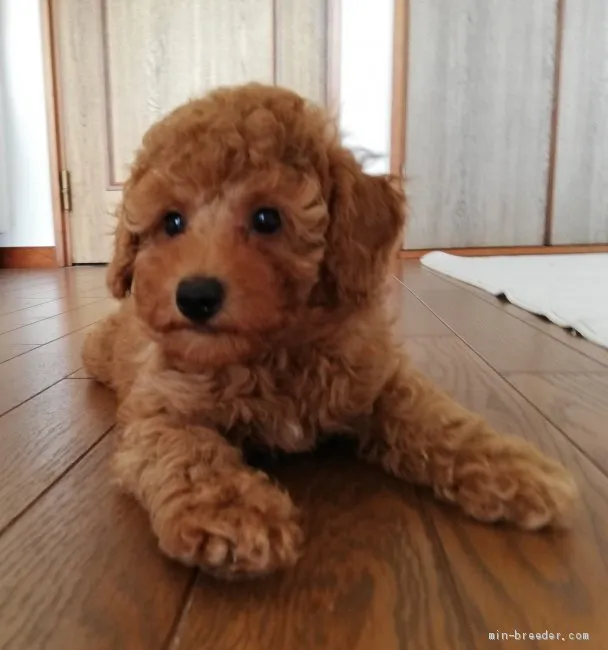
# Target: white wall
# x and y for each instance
(24, 126)
(4, 221)
(366, 77)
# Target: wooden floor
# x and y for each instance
(386, 567)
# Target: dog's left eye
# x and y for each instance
(266, 221)
(174, 223)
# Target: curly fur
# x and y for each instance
(303, 347)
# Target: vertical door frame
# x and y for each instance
(56, 127)
(401, 49)
(554, 134)
(53, 118)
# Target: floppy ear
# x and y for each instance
(120, 270)
(367, 215)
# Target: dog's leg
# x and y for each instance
(98, 348)
(420, 434)
(206, 506)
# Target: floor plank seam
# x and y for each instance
(540, 373)
(16, 406)
(409, 337)
(78, 329)
(40, 345)
(55, 481)
(497, 305)
(556, 425)
(504, 378)
(61, 313)
(586, 356)
(491, 300)
(14, 311)
(35, 346)
(174, 635)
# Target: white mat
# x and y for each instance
(570, 290)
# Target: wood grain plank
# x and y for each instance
(81, 570)
(10, 350)
(412, 317)
(71, 280)
(418, 278)
(567, 337)
(506, 343)
(67, 291)
(30, 274)
(581, 174)
(55, 327)
(576, 404)
(14, 320)
(14, 279)
(57, 291)
(11, 304)
(25, 376)
(509, 579)
(369, 577)
(480, 83)
(43, 437)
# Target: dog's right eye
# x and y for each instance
(174, 223)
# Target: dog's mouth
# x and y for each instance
(221, 326)
(212, 329)
(206, 329)
(209, 328)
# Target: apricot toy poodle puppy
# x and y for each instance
(250, 253)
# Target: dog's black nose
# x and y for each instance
(199, 298)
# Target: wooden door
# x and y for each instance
(122, 64)
(478, 121)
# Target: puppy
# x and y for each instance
(251, 254)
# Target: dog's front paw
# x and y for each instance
(232, 530)
(512, 482)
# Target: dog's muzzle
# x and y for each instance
(200, 298)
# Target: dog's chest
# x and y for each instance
(288, 405)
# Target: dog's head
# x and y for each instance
(243, 218)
